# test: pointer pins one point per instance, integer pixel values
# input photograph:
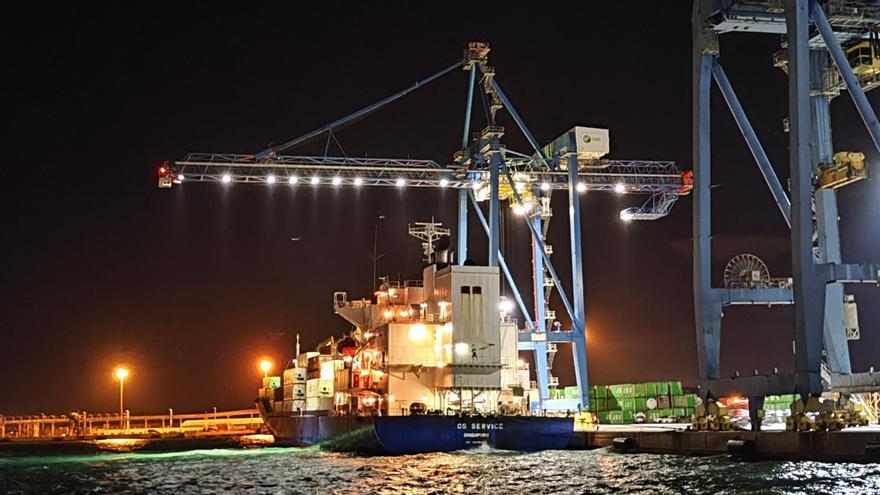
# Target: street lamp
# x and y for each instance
(121, 374)
(265, 365)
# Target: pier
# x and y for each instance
(89, 426)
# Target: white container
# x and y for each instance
(294, 375)
(325, 388)
(299, 391)
(319, 403)
(299, 404)
(299, 375)
(312, 387)
(303, 359)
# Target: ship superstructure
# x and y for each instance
(442, 344)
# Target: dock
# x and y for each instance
(849, 445)
(83, 432)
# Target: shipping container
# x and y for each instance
(679, 401)
(319, 403)
(572, 392)
(651, 403)
(650, 389)
(641, 404)
(272, 382)
(295, 391)
(294, 375)
(312, 386)
(662, 388)
(639, 390)
(622, 390)
(663, 402)
(679, 412)
(325, 388)
(302, 360)
(675, 388)
(666, 412)
(627, 404)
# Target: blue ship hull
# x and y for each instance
(422, 434)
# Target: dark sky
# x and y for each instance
(188, 287)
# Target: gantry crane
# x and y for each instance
(482, 170)
(837, 51)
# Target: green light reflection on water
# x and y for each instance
(103, 457)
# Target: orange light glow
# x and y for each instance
(121, 373)
(265, 366)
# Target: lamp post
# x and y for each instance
(121, 374)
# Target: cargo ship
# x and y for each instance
(429, 365)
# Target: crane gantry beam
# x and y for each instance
(637, 176)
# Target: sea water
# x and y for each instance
(311, 471)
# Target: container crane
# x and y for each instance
(482, 170)
(828, 46)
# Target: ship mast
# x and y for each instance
(429, 233)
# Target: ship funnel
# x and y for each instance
(444, 254)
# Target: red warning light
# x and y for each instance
(164, 169)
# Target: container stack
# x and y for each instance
(780, 402)
(320, 371)
(653, 401)
(272, 391)
(294, 389)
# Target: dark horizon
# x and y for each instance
(190, 287)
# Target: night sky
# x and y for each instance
(189, 287)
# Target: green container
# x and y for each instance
(679, 401)
(690, 411)
(651, 389)
(621, 390)
(600, 404)
(640, 404)
(639, 390)
(615, 417)
(691, 400)
(572, 393)
(627, 404)
(666, 413)
(679, 412)
(598, 392)
(675, 388)
(611, 404)
(662, 388)
(627, 416)
(654, 415)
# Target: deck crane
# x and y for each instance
(483, 169)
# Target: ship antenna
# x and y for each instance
(297, 346)
(429, 233)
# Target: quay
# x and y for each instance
(82, 432)
(860, 444)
